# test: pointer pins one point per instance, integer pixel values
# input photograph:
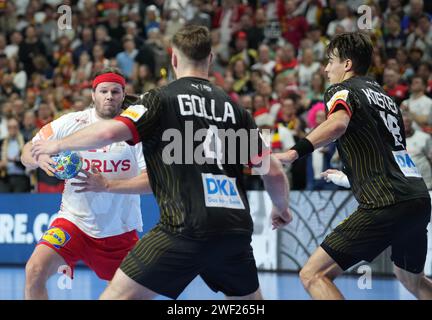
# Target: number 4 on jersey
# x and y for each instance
(216, 153)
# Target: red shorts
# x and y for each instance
(102, 255)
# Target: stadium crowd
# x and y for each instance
(269, 56)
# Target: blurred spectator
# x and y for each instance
(328, 14)
(413, 12)
(30, 48)
(151, 18)
(157, 45)
(198, 12)
(286, 61)
(12, 173)
(3, 43)
(315, 92)
(45, 114)
(6, 113)
(319, 42)
(114, 28)
(245, 101)
(226, 17)
(265, 63)
(310, 9)
(174, 23)
(9, 18)
(143, 79)
(12, 48)
(405, 67)
(296, 125)
(126, 58)
(253, 35)
(79, 104)
(419, 146)
(19, 108)
(377, 68)
(28, 129)
(242, 80)
(418, 104)
(7, 87)
(110, 46)
(307, 68)
(132, 30)
(84, 44)
(99, 58)
(220, 52)
(242, 51)
(393, 7)
(228, 87)
(421, 38)
(343, 19)
(293, 27)
(394, 38)
(392, 86)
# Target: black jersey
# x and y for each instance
(373, 148)
(196, 176)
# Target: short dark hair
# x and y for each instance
(356, 46)
(193, 41)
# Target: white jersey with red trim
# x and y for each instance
(99, 214)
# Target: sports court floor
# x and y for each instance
(276, 286)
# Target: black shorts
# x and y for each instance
(166, 263)
(368, 232)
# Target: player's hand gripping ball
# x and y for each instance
(68, 164)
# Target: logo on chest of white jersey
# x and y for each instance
(107, 165)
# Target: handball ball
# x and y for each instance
(68, 164)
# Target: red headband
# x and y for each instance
(109, 77)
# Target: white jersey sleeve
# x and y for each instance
(60, 127)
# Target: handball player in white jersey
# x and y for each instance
(100, 211)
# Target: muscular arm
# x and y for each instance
(330, 130)
(276, 184)
(94, 181)
(97, 135)
(139, 184)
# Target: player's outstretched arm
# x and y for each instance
(97, 135)
(328, 131)
(94, 181)
(276, 184)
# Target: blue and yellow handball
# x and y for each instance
(68, 164)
